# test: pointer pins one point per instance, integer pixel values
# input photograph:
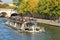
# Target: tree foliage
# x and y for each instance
(46, 7)
(28, 5)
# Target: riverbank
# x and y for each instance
(48, 22)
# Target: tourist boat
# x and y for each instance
(26, 26)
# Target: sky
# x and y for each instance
(10, 1)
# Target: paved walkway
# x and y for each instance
(51, 22)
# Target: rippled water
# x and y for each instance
(7, 33)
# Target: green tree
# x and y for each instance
(46, 8)
(28, 5)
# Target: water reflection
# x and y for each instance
(36, 36)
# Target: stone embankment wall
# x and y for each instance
(50, 22)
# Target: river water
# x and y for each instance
(7, 33)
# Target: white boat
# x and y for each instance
(27, 26)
